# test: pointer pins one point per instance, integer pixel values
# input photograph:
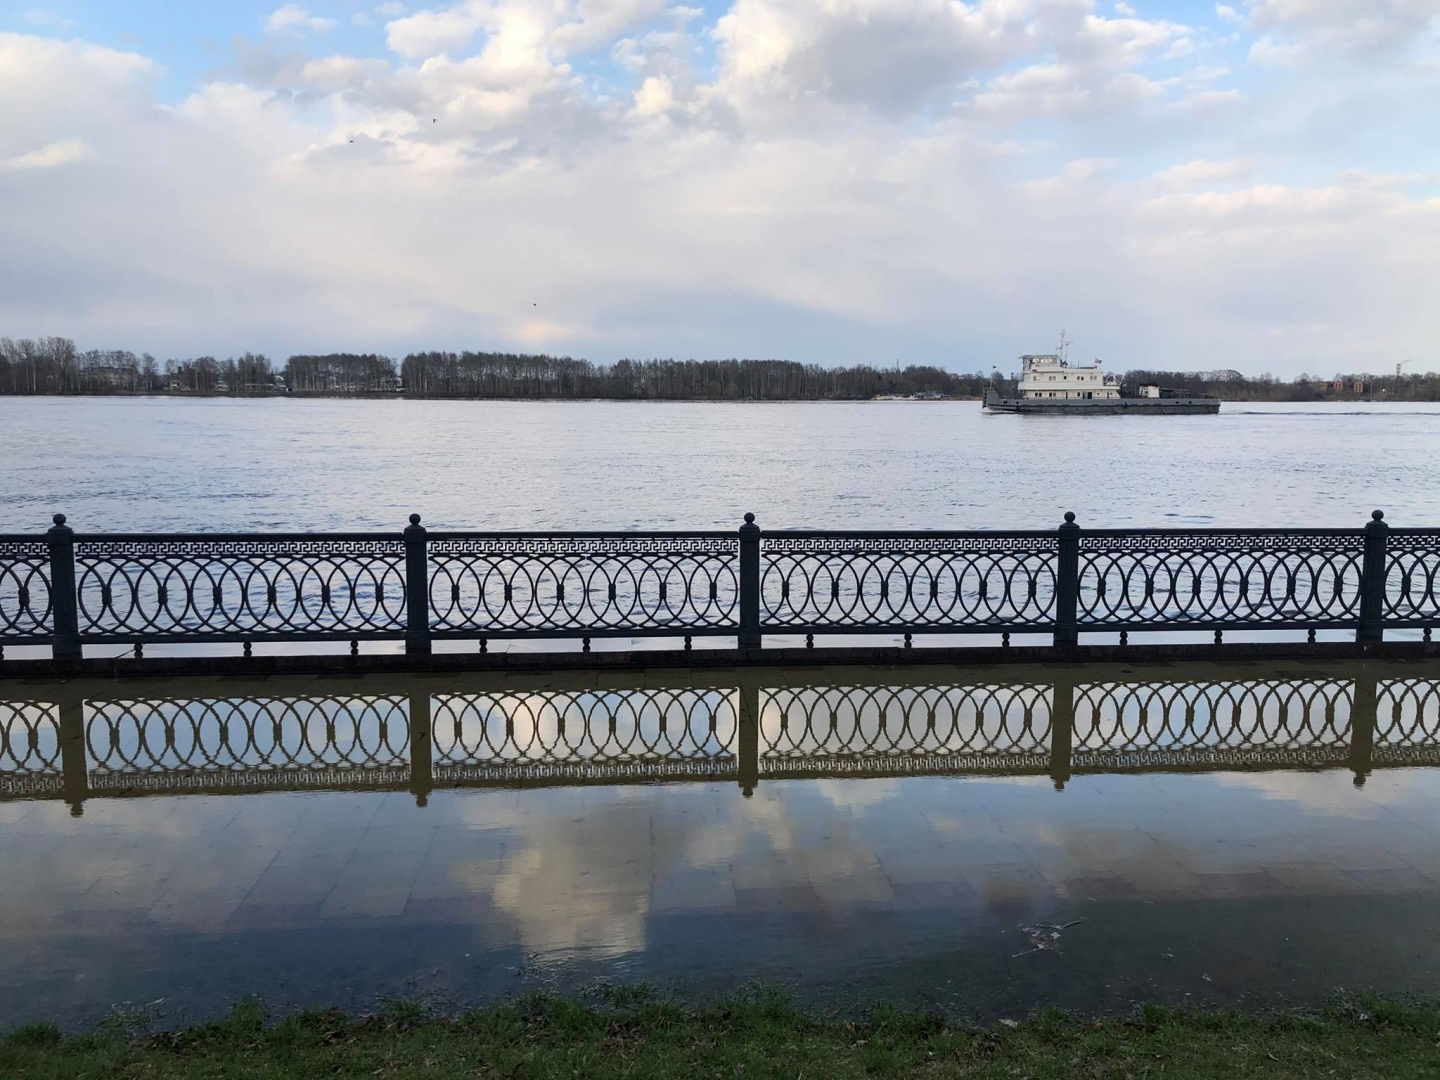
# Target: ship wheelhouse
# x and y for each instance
(1050, 376)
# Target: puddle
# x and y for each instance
(983, 841)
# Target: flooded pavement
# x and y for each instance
(981, 840)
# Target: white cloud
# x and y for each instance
(889, 55)
(293, 19)
(1073, 175)
(1063, 90)
(335, 73)
(430, 33)
(654, 97)
(48, 156)
(1303, 28)
(518, 33)
(50, 20)
(848, 178)
(1208, 101)
(1226, 13)
(1198, 172)
(1091, 71)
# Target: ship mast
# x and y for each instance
(1064, 349)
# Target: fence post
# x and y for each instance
(749, 584)
(1372, 581)
(1067, 583)
(75, 776)
(421, 775)
(747, 735)
(1062, 727)
(417, 590)
(1362, 724)
(64, 605)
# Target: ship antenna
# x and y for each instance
(1064, 348)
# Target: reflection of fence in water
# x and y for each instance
(1407, 720)
(260, 741)
(588, 734)
(1178, 723)
(420, 740)
(904, 728)
(30, 759)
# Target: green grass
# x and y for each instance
(752, 1036)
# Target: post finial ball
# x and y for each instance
(414, 519)
(1377, 514)
(1070, 516)
(749, 519)
(59, 519)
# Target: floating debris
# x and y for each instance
(1045, 936)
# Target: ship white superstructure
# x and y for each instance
(1049, 375)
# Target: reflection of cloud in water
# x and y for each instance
(562, 897)
(1324, 792)
(583, 881)
(857, 795)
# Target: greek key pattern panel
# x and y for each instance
(225, 737)
(511, 585)
(1412, 577)
(1211, 579)
(249, 781)
(1184, 718)
(199, 588)
(941, 582)
(29, 739)
(827, 726)
(535, 733)
(24, 589)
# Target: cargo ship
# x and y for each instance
(1050, 384)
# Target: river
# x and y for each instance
(144, 464)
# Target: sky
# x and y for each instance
(1177, 184)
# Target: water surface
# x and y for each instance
(1244, 834)
(158, 463)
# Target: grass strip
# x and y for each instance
(755, 1035)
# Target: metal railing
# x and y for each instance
(69, 590)
(76, 741)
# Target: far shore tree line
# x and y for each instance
(53, 365)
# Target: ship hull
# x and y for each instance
(1108, 407)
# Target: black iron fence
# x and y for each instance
(76, 741)
(69, 589)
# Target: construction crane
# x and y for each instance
(1401, 364)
